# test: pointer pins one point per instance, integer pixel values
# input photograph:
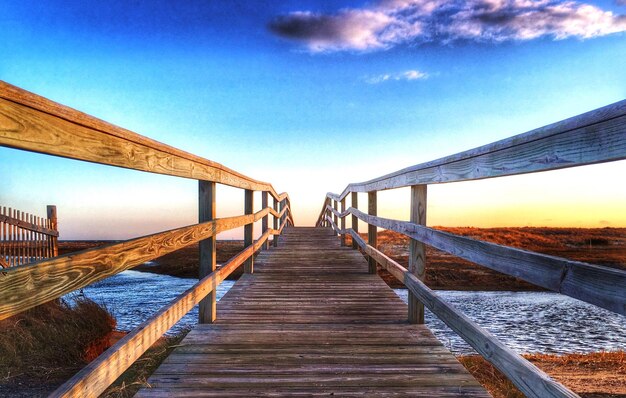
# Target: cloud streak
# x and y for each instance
(408, 75)
(389, 23)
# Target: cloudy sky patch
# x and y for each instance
(392, 22)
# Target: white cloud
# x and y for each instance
(392, 22)
(407, 75)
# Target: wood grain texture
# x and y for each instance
(102, 372)
(33, 123)
(593, 137)
(207, 248)
(355, 221)
(527, 377)
(311, 321)
(248, 229)
(372, 231)
(417, 250)
(595, 284)
(532, 381)
(27, 286)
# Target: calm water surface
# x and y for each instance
(525, 321)
(532, 322)
(133, 296)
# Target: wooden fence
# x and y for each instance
(32, 123)
(25, 238)
(594, 137)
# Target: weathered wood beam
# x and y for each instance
(28, 225)
(92, 380)
(372, 231)
(532, 381)
(208, 264)
(248, 230)
(595, 284)
(355, 221)
(27, 286)
(594, 137)
(33, 123)
(417, 250)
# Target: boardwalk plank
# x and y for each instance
(311, 321)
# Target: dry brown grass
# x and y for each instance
(49, 343)
(601, 374)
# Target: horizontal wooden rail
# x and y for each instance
(96, 377)
(532, 381)
(595, 284)
(27, 286)
(27, 225)
(593, 137)
(33, 123)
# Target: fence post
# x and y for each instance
(371, 229)
(264, 221)
(275, 220)
(206, 212)
(355, 220)
(248, 230)
(335, 215)
(52, 216)
(343, 221)
(417, 250)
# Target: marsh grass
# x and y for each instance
(54, 340)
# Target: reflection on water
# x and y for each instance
(533, 322)
(133, 296)
(524, 321)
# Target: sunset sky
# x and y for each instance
(313, 95)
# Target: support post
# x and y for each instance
(248, 231)
(206, 212)
(343, 221)
(335, 215)
(52, 216)
(264, 221)
(417, 250)
(275, 240)
(371, 229)
(355, 220)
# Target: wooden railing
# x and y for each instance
(32, 123)
(25, 238)
(594, 137)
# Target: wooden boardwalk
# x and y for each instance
(311, 321)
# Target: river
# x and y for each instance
(525, 321)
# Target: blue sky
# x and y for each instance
(312, 95)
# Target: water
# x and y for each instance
(133, 296)
(524, 321)
(532, 322)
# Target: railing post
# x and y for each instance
(355, 220)
(275, 240)
(372, 229)
(264, 221)
(206, 212)
(343, 221)
(248, 231)
(335, 215)
(417, 250)
(52, 216)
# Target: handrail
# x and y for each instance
(32, 123)
(92, 380)
(33, 284)
(531, 380)
(594, 137)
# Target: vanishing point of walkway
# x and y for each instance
(311, 321)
